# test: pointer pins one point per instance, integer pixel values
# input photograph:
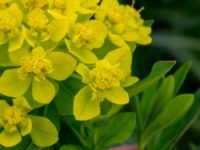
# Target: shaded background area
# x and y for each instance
(176, 36)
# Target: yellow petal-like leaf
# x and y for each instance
(43, 91)
(11, 85)
(85, 107)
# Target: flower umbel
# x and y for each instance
(125, 21)
(104, 81)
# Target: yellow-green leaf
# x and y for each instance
(117, 95)
(44, 133)
(85, 107)
(63, 65)
(43, 91)
(11, 85)
(10, 139)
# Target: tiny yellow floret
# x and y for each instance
(12, 117)
(105, 76)
(34, 65)
(37, 19)
(84, 35)
(7, 21)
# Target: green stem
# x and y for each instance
(139, 118)
(76, 76)
(78, 135)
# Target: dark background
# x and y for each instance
(176, 36)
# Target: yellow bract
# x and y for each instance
(36, 65)
(105, 76)
(37, 19)
(12, 117)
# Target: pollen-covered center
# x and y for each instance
(12, 117)
(34, 65)
(7, 20)
(105, 76)
(37, 19)
(84, 35)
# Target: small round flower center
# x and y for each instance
(37, 19)
(12, 115)
(105, 77)
(84, 35)
(34, 65)
(7, 20)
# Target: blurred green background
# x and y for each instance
(176, 36)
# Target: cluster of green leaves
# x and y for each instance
(66, 70)
(161, 108)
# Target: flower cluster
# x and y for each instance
(45, 43)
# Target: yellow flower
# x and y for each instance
(104, 81)
(124, 21)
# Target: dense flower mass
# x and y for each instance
(46, 44)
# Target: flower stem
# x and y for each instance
(139, 118)
(78, 135)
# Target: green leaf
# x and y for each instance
(43, 133)
(180, 75)
(63, 65)
(64, 100)
(10, 82)
(85, 107)
(10, 139)
(155, 102)
(70, 147)
(52, 114)
(115, 130)
(158, 71)
(117, 95)
(173, 112)
(169, 138)
(43, 91)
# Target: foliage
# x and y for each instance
(67, 72)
